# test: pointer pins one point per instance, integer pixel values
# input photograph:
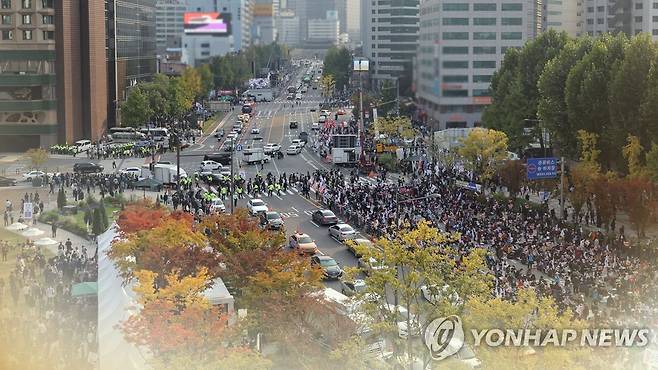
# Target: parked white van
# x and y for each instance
(82, 146)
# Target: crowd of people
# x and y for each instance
(44, 326)
(79, 184)
(595, 275)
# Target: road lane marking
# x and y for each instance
(316, 225)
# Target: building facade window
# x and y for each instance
(511, 21)
(48, 35)
(452, 64)
(27, 34)
(655, 18)
(7, 35)
(47, 4)
(27, 4)
(455, 93)
(638, 19)
(27, 19)
(455, 21)
(638, 6)
(5, 4)
(455, 50)
(481, 92)
(480, 7)
(48, 19)
(484, 50)
(448, 7)
(455, 78)
(484, 35)
(6, 19)
(511, 7)
(484, 21)
(481, 78)
(511, 35)
(455, 35)
(599, 21)
(484, 64)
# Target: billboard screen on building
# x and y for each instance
(207, 23)
(361, 65)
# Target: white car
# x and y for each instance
(132, 171)
(293, 149)
(342, 232)
(217, 205)
(299, 142)
(270, 148)
(256, 206)
(315, 126)
(33, 174)
(210, 166)
(255, 130)
(232, 135)
(352, 287)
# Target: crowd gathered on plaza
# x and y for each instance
(44, 325)
(593, 273)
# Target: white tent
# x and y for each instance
(115, 303)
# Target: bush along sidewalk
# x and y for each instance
(91, 216)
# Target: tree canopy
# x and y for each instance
(338, 63)
(605, 86)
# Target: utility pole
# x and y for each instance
(361, 123)
(397, 96)
(177, 163)
(232, 183)
(562, 187)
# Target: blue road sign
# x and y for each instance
(542, 168)
(238, 148)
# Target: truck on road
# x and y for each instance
(254, 155)
(166, 173)
(259, 95)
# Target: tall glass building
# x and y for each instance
(131, 49)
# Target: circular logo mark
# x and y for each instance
(444, 337)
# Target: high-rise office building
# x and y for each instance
(461, 45)
(563, 16)
(353, 21)
(629, 17)
(264, 30)
(288, 28)
(131, 49)
(52, 73)
(389, 32)
(324, 32)
(169, 24)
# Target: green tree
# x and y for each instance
(529, 311)
(387, 98)
(649, 108)
(587, 96)
(61, 199)
(207, 79)
(652, 162)
(180, 101)
(338, 63)
(633, 152)
(514, 87)
(395, 127)
(136, 110)
(97, 224)
(104, 218)
(37, 157)
(627, 91)
(484, 151)
(552, 108)
(402, 264)
(511, 175)
(190, 82)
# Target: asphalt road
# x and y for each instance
(272, 118)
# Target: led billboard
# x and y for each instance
(207, 23)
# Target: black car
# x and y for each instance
(219, 134)
(294, 124)
(223, 158)
(87, 167)
(328, 265)
(313, 109)
(6, 181)
(272, 220)
(303, 136)
(324, 217)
